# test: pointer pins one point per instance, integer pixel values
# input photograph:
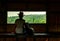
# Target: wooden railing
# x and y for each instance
(35, 37)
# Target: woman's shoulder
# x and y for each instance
(20, 20)
(17, 19)
(23, 20)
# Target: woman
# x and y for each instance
(19, 24)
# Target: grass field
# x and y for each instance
(29, 19)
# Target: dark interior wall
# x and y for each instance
(16, 6)
(29, 6)
(37, 28)
(53, 17)
(54, 39)
(52, 8)
(3, 16)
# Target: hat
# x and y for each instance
(21, 13)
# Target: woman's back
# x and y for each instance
(19, 25)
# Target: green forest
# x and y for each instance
(28, 19)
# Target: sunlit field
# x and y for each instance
(32, 18)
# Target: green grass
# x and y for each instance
(29, 19)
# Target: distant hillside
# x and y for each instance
(29, 19)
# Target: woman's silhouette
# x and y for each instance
(19, 23)
(21, 26)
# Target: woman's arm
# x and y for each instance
(15, 26)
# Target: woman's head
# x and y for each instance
(21, 15)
